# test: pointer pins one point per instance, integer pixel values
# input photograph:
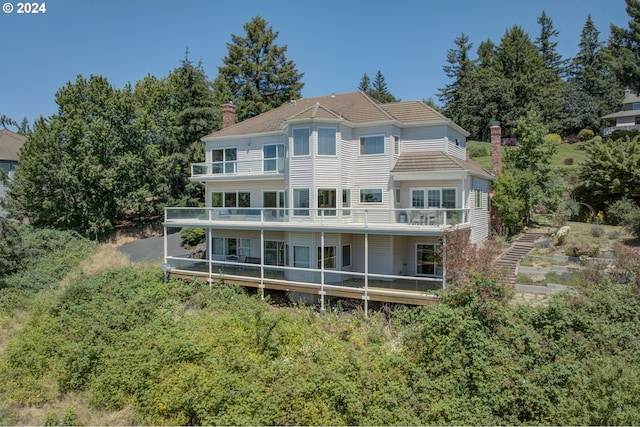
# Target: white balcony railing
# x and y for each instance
(238, 167)
(435, 218)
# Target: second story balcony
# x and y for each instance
(238, 169)
(307, 218)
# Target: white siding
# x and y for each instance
(480, 217)
(419, 139)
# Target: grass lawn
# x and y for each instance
(567, 157)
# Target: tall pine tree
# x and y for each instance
(552, 75)
(256, 75)
(623, 53)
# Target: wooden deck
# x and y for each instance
(372, 293)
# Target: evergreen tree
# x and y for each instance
(593, 91)
(554, 69)
(458, 69)
(7, 121)
(380, 91)
(365, 84)
(623, 53)
(521, 66)
(256, 73)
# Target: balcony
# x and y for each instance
(238, 168)
(348, 219)
(609, 130)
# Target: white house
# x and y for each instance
(626, 119)
(338, 195)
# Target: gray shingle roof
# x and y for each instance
(10, 144)
(352, 107)
(436, 161)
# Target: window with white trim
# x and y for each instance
(371, 195)
(346, 255)
(231, 246)
(231, 199)
(417, 198)
(301, 201)
(346, 201)
(273, 156)
(327, 201)
(274, 252)
(301, 256)
(329, 257)
(372, 145)
(441, 198)
(428, 260)
(478, 198)
(327, 141)
(301, 142)
(223, 160)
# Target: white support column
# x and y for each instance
(166, 244)
(444, 261)
(209, 252)
(366, 274)
(322, 271)
(262, 263)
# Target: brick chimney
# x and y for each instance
(228, 115)
(496, 145)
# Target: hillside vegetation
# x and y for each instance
(123, 347)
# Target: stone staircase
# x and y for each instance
(510, 259)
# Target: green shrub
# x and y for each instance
(552, 138)
(582, 249)
(597, 231)
(618, 211)
(585, 135)
(192, 237)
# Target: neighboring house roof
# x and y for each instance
(353, 107)
(621, 114)
(436, 161)
(10, 144)
(630, 98)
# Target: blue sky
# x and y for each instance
(332, 42)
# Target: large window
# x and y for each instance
(327, 201)
(274, 199)
(225, 246)
(223, 160)
(231, 199)
(417, 199)
(274, 252)
(441, 198)
(273, 158)
(372, 144)
(301, 257)
(371, 195)
(428, 260)
(326, 141)
(329, 257)
(301, 142)
(301, 201)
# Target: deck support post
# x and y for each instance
(366, 274)
(322, 271)
(262, 263)
(444, 261)
(209, 252)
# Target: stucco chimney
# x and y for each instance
(228, 115)
(496, 146)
